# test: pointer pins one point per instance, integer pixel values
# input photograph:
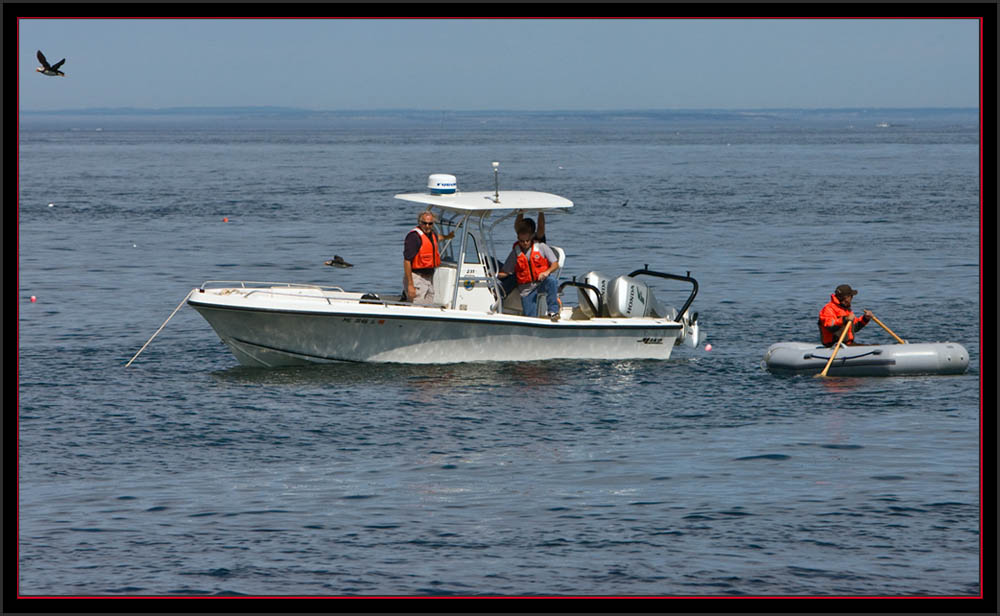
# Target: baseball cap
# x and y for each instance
(845, 289)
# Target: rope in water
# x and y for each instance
(159, 330)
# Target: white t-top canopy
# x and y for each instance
(482, 201)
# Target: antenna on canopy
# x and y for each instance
(496, 181)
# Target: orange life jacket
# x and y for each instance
(428, 256)
(527, 270)
(833, 314)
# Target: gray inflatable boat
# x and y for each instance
(868, 359)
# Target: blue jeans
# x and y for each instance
(550, 287)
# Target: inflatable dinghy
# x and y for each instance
(868, 360)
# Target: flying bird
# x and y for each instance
(337, 261)
(51, 71)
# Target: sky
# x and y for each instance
(501, 64)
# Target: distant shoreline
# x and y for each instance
(285, 118)
(266, 111)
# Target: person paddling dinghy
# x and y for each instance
(837, 313)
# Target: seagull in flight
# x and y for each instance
(51, 71)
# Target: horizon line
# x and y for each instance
(287, 109)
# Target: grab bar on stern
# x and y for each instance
(597, 310)
(694, 283)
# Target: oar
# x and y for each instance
(891, 333)
(836, 348)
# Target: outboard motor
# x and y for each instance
(600, 281)
(662, 310)
(689, 333)
(629, 297)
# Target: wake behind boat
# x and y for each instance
(279, 324)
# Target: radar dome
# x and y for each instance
(442, 184)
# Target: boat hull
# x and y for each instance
(868, 360)
(269, 330)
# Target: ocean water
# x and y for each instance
(186, 474)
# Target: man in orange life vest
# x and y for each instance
(837, 313)
(507, 284)
(421, 257)
(533, 264)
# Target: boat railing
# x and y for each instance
(245, 284)
(645, 271)
(597, 310)
(254, 287)
(324, 291)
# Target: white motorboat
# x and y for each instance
(279, 324)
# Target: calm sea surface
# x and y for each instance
(186, 474)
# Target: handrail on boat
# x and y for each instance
(694, 283)
(292, 285)
(263, 286)
(597, 310)
(266, 287)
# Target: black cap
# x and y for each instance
(845, 289)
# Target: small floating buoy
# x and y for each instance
(33, 298)
(225, 220)
(708, 347)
